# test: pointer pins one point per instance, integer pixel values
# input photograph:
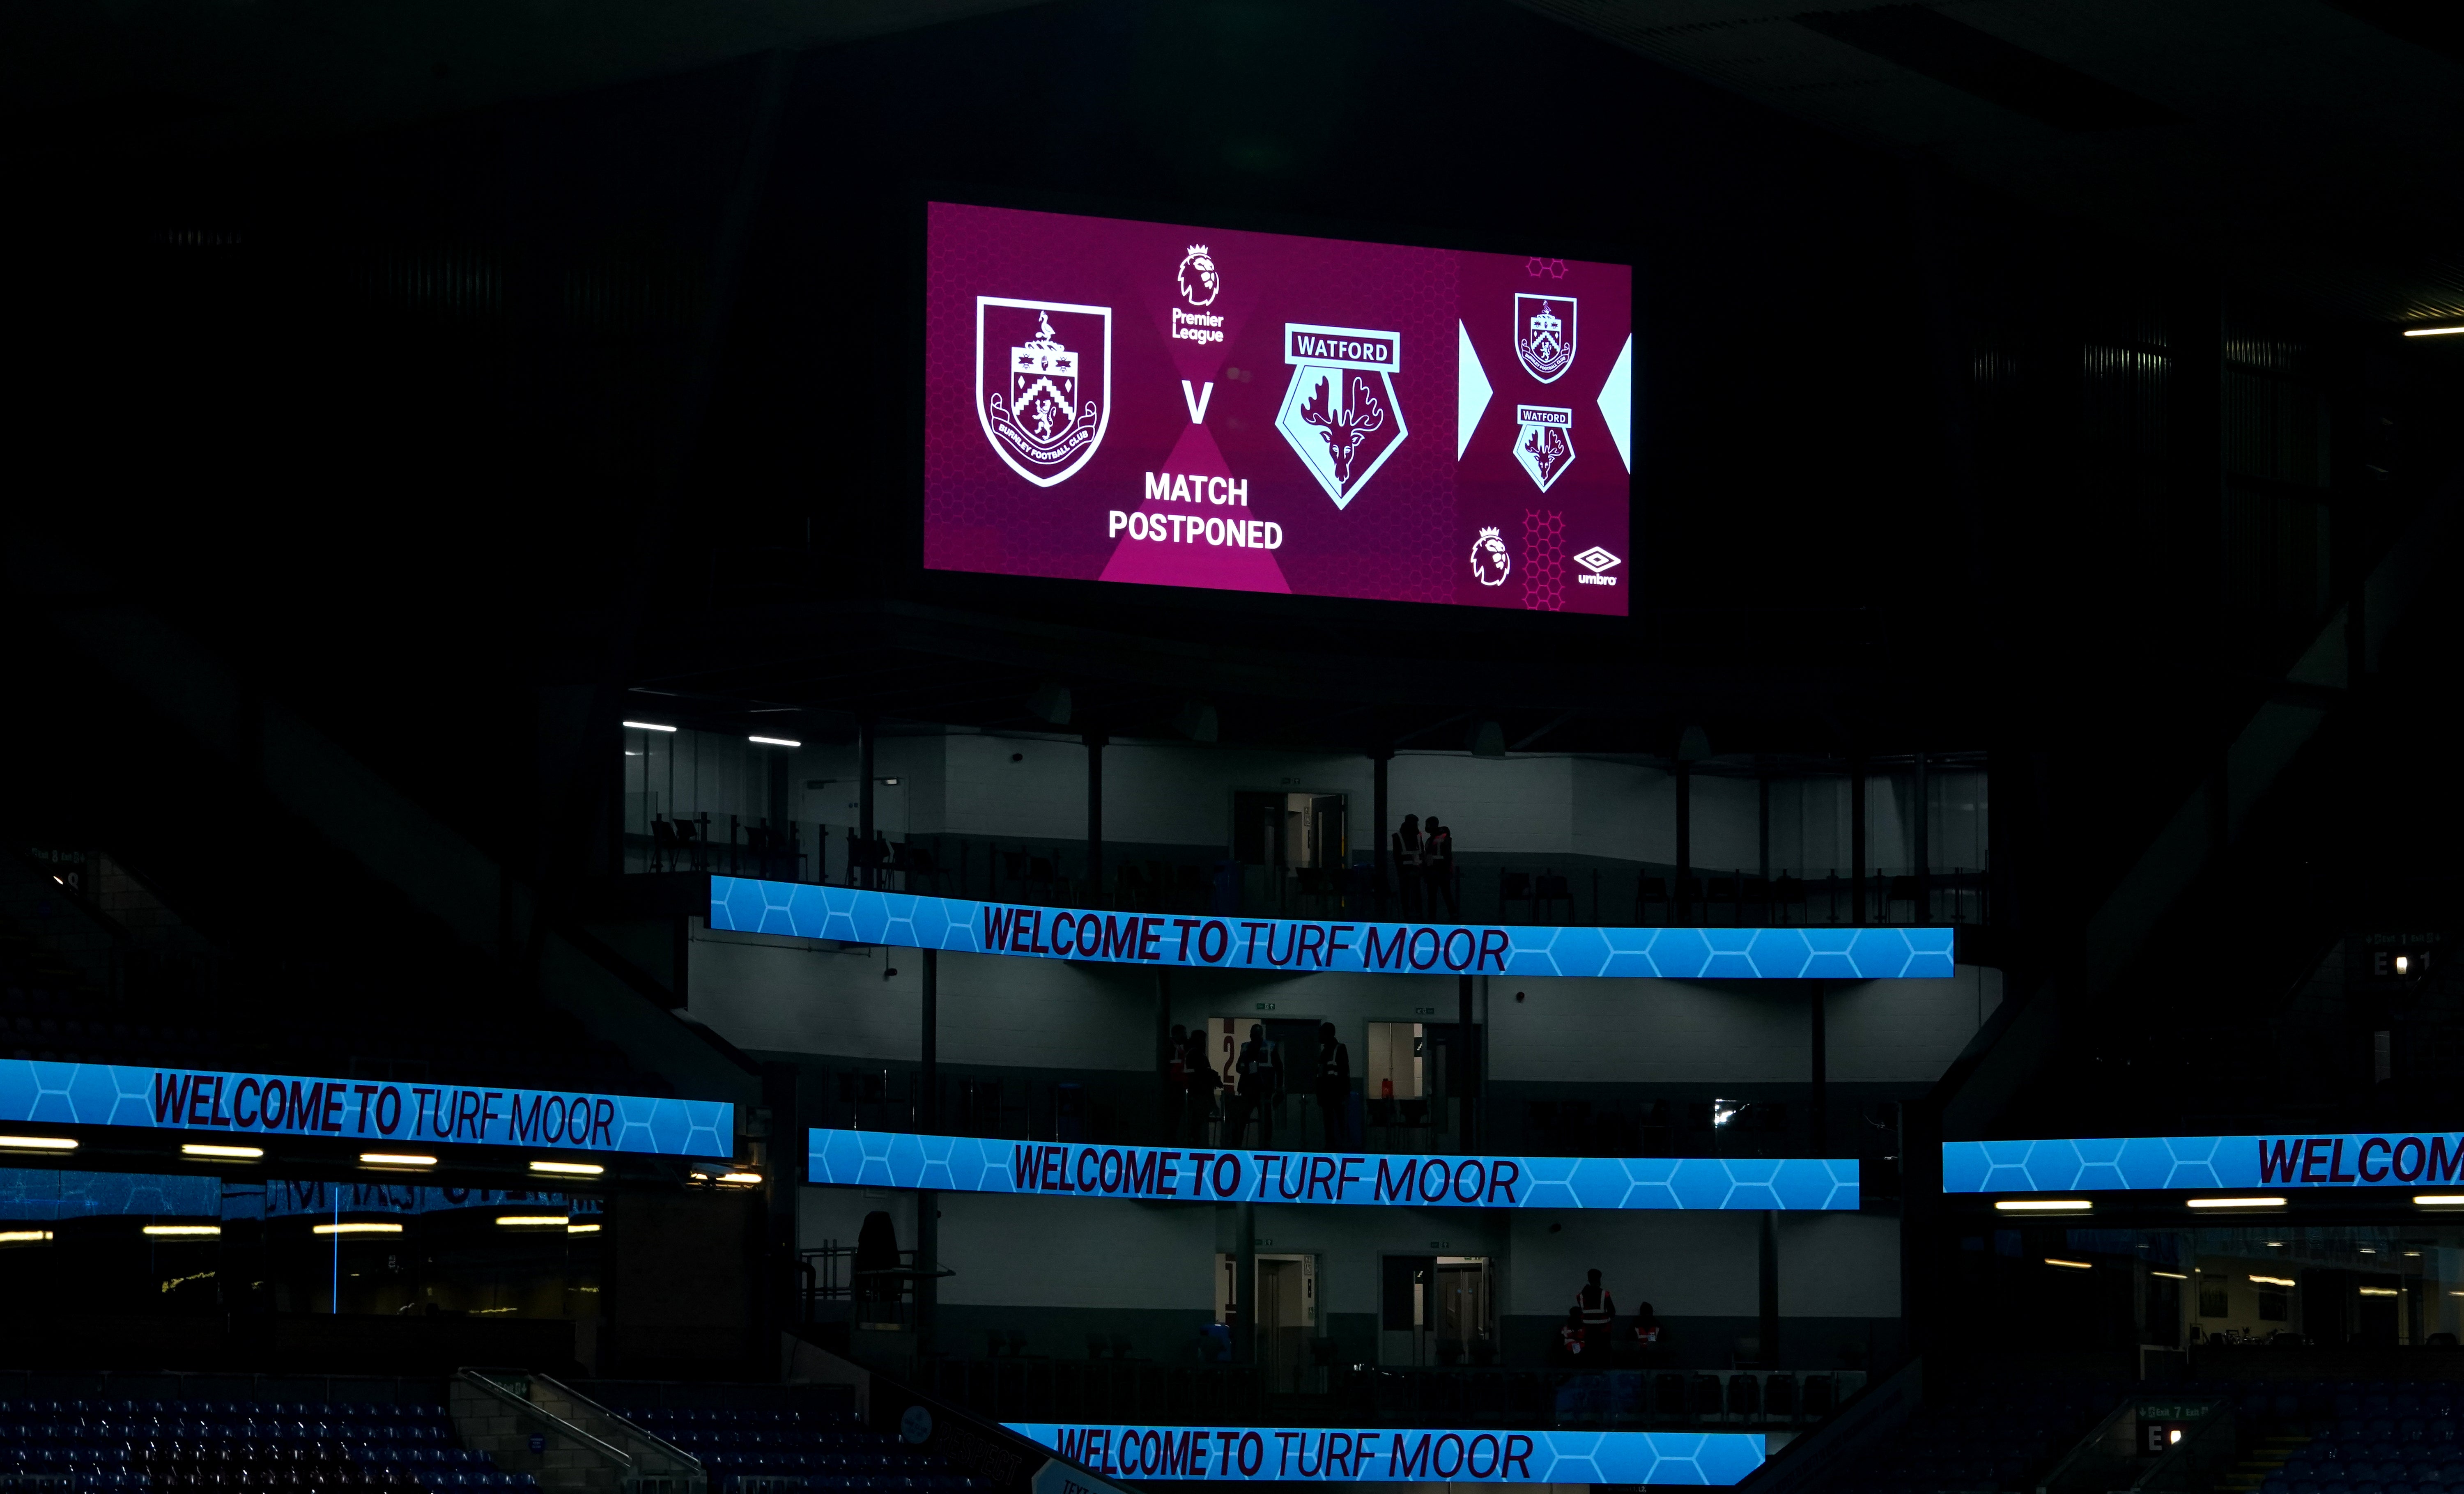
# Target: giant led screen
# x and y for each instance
(1174, 405)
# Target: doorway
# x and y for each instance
(1286, 1318)
(1437, 1309)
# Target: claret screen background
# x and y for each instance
(1077, 400)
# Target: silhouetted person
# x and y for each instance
(1261, 1072)
(1332, 1074)
(873, 1274)
(1438, 866)
(1407, 866)
(1567, 1351)
(1199, 1069)
(1646, 1326)
(1596, 1310)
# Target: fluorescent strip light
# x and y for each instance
(649, 726)
(2439, 1201)
(582, 1229)
(184, 1229)
(569, 1169)
(745, 1178)
(34, 1237)
(2075, 1265)
(2234, 1203)
(204, 1149)
(2043, 1206)
(531, 1220)
(2170, 1276)
(2275, 1281)
(36, 1144)
(359, 1227)
(2431, 331)
(395, 1159)
(2376, 1291)
(773, 742)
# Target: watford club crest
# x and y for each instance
(1043, 383)
(1543, 335)
(1339, 414)
(1543, 442)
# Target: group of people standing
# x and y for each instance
(1424, 867)
(1590, 1338)
(1258, 1078)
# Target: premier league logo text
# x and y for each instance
(1543, 442)
(1339, 413)
(1043, 383)
(1543, 335)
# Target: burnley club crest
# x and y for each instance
(1543, 335)
(1043, 383)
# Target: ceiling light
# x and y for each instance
(742, 1179)
(2170, 1276)
(2043, 1206)
(582, 1229)
(2376, 1291)
(204, 1149)
(184, 1229)
(2431, 331)
(36, 1144)
(2276, 1244)
(2413, 1255)
(395, 1159)
(359, 1227)
(2076, 1265)
(649, 726)
(569, 1169)
(2439, 1201)
(531, 1220)
(34, 1237)
(2369, 1250)
(2234, 1203)
(773, 742)
(2274, 1281)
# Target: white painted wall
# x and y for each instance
(1684, 1264)
(1838, 1266)
(1038, 1252)
(773, 994)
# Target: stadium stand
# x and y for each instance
(113, 1444)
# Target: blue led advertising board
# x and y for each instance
(1291, 946)
(1315, 1454)
(202, 1101)
(2373, 1159)
(1086, 1170)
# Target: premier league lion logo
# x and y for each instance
(1489, 561)
(1543, 335)
(1200, 282)
(1043, 383)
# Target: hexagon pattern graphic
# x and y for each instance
(970, 1164)
(857, 915)
(2126, 1164)
(38, 1092)
(1460, 1456)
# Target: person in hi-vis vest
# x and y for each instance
(1596, 1310)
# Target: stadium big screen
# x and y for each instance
(1184, 407)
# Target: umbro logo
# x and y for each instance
(1595, 560)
